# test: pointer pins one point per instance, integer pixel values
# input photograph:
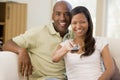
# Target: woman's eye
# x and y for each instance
(74, 23)
(83, 21)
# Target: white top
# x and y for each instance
(85, 68)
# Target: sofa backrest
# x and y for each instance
(114, 45)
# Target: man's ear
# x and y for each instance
(52, 16)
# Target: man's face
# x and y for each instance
(61, 17)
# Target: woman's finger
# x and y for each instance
(70, 43)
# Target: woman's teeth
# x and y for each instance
(79, 30)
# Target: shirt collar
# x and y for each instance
(52, 29)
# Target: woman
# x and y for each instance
(83, 53)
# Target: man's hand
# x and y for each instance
(25, 66)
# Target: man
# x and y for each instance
(35, 47)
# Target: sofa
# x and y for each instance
(114, 45)
(9, 64)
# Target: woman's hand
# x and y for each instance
(68, 46)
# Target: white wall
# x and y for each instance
(39, 11)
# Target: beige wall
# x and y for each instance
(101, 18)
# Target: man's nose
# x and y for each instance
(62, 17)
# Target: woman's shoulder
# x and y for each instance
(101, 42)
(100, 39)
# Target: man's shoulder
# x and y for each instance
(39, 28)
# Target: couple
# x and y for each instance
(36, 48)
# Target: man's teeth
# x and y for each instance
(62, 24)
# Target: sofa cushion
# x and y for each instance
(114, 46)
(116, 75)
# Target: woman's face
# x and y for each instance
(79, 25)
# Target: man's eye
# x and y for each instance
(58, 14)
(67, 14)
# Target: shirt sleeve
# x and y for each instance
(66, 42)
(26, 40)
(101, 42)
(63, 43)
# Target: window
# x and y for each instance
(113, 18)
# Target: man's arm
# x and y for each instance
(23, 57)
(12, 46)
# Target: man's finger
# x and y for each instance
(20, 66)
(30, 69)
(23, 69)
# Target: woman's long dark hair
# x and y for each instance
(89, 40)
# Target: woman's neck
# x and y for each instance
(79, 40)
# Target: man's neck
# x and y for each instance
(63, 34)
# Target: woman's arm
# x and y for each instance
(59, 53)
(108, 63)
